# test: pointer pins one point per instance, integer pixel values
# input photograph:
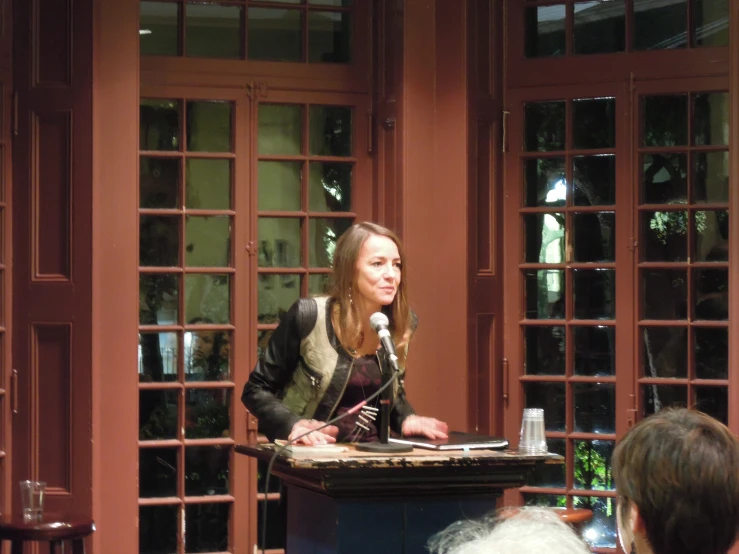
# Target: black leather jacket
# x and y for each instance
(274, 370)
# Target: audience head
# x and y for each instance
(528, 530)
(677, 481)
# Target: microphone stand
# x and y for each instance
(383, 429)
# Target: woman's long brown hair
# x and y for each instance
(345, 316)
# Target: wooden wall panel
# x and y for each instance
(485, 282)
(52, 249)
(51, 194)
(51, 372)
(115, 290)
(388, 114)
(52, 37)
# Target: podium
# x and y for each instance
(361, 502)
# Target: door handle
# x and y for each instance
(14, 392)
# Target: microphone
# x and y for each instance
(380, 323)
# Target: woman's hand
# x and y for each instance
(424, 427)
(324, 436)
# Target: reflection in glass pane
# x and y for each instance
(206, 470)
(544, 182)
(545, 31)
(599, 532)
(159, 182)
(329, 37)
(664, 352)
(330, 130)
(207, 413)
(655, 398)
(544, 350)
(213, 31)
(207, 527)
(159, 125)
(275, 35)
(279, 186)
(550, 475)
(158, 299)
(550, 397)
(276, 293)
(158, 529)
(593, 237)
(660, 25)
(665, 120)
(594, 123)
(158, 29)
(279, 242)
(208, 184)
(158, 414)
(600, 27)
(664, 294)
(545, 294)
(593, 465)
(713, 401)
(207, 355)
(711, 118)
(595, 408)
(594, 180)
(280, 129)
(594, 350)
(545, 500)
(262, 341)
(330, 187)
(711, 294)
(208, 241)
(275, 539)
(157, 357)
(157, 472)
(544, 238)
(664, 178)
(159, 240)
(594, 293)
(711, 351)
(664, 236)
(711, 177)
(208, 297)
(711, 236)
(209, 126)
(322, 236)
(711, 22)
(319, 285)
(544, 126)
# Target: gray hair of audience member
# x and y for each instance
(527, 530)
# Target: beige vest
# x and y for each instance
(313, 375)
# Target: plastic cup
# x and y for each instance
(532, 439)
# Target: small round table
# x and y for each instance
(53, 528)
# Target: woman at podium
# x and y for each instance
(324, 358)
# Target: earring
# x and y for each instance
(351, 302)
(633, 548)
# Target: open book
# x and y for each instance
(457, 441)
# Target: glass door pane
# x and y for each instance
(567, 219)
(684, 253)
(187, 271)
(309, 178)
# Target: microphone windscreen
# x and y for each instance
(378, 321)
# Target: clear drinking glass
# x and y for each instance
(32, 499)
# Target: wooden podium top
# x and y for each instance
(355, 473)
